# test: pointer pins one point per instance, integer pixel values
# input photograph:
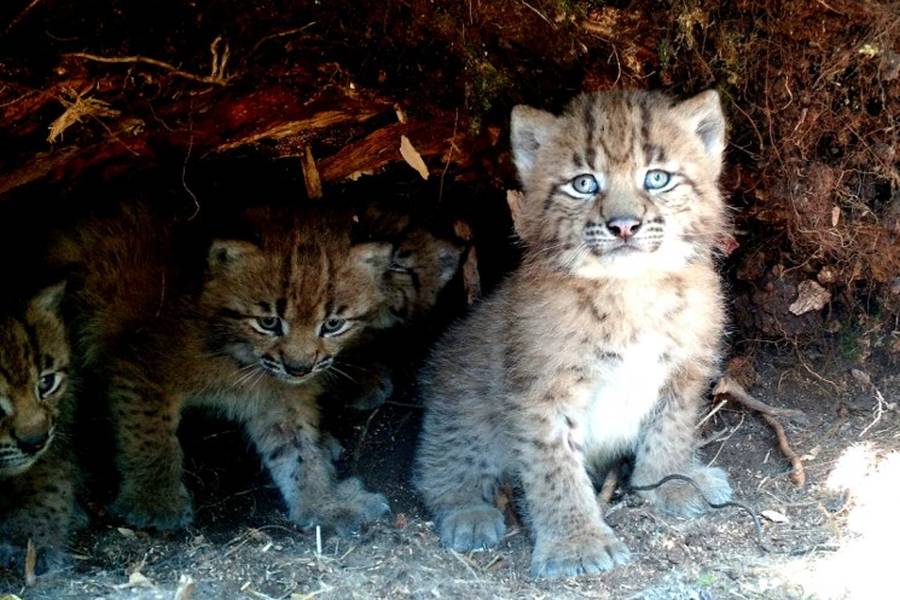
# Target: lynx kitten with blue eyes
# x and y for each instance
(257, 341)
(600, 346)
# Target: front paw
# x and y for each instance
(681, 499)
(160, 510)
(351, 508)
(579, 554)
(472, 528)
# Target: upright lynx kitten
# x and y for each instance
(600, 345)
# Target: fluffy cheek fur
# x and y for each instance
(234, 338)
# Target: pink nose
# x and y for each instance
(623, 227)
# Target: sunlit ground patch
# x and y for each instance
(865, 565)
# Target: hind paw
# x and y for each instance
(160, 510)
(681, 499)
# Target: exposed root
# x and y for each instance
(798, 474)
(215, 79)
(730, 387)
(734, 390)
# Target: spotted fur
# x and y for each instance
(257, 343)
(37, 477)
(599, 346)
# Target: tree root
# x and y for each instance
(216, 79)
(731, 388)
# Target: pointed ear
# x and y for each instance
(225, 254)
(374, 256)
(530, 129)
(703, 115)
(48, 300)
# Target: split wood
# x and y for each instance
(731, 388)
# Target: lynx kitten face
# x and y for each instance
(621, 182)
(34, 360)
(288, 311)
(599, 346)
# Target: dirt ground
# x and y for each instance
(828, 539)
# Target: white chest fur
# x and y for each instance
(627, 390)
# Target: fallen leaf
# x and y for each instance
(835, 216)
(412, 157)
(774, 516)
(129, 533)
(810, 296)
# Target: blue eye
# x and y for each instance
(656, 179)
(268, 325)
(333, 327)
(585, 184)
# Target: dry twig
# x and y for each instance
(609, 485)
(881, 405)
